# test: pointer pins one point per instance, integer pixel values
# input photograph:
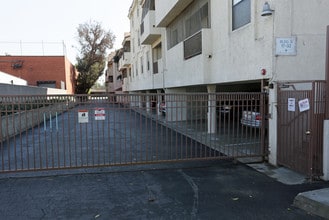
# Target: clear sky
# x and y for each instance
(56, 21)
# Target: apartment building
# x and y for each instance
(118, 68)
(181, 46)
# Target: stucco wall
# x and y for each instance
(307, 21)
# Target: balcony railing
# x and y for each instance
(149, 33)
(125, 60)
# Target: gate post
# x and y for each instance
(326, 122)
(212, 122)
(326, 150)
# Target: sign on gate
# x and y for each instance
(83, 116)
(99, 114)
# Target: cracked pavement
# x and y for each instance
(191, 190)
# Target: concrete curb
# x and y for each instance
(315, 202)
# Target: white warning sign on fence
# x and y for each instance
(99, 114)
(83, 116)
(304, 105)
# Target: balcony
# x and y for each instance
(168, 10)
(125, 60)
(149, 33)
(191, 59)
(157, 66)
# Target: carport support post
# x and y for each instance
(148, 102)
(212, 122)
(134, 98)
(140, 100)
(159, 100)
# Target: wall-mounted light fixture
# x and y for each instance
(267, 11)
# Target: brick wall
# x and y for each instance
(40, 68)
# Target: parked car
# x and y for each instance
(251, 119)
(225, 110)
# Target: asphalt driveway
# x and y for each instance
(191, 190)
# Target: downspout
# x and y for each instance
(327, 74)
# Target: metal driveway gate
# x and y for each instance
(79, 131)
(301, 112)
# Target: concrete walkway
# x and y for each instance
(314, 201)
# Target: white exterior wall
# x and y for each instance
(193, 71)
(142, 80)
(136, 80)
(162, 9)
(307, 20)
(145, 80)
(239, 55)
(235, 55)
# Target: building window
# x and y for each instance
(193, 46)
(148, 60)
(47, 84)
(142, 27)
(241, 13)
(157, 55)
(136, 69)
(174, 37)
(142, 65)
(139, 39)
(132, 72)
